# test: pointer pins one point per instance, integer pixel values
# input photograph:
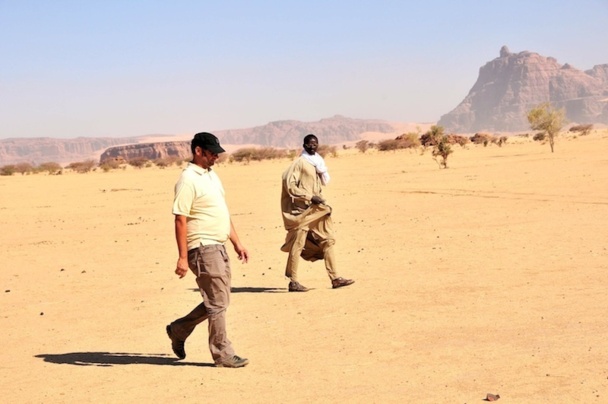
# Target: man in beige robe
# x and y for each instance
(306, 216)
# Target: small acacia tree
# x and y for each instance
(436, 137)
(442, 149)
(584, 129)
(24, 168)
(548, 120)
(51, 167)
(362, 145)
(82, 166)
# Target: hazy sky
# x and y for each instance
(130, 68)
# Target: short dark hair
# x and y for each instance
(310, 136)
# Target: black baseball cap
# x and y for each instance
(206, 140)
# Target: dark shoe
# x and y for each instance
(297, 287)
(340, 282)
(176, 344)
(234, 362)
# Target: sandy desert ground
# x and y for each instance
(487, 277)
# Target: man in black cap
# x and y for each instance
(202, 227)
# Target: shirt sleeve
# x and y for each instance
(184, 196)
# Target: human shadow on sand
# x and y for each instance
(252, 289)
(116, 358)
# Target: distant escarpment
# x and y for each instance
(148, 151)
(510, 85)
(45, 149)
(281, 134)
(289, 133)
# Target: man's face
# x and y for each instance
(311, 146)
(207, 158)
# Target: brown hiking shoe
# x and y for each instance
(176, 344)
(297, 287)
(234, 362)
(340, 282)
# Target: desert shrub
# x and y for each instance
(50, 167)
(162, 162)
(427, 140)
(324, 150)
(222, 158)
(582, 129)
(405, 141)
(458, 139)
(362, 145)
(388, 144)
(243, 155)
(270, 153)
(167, 161)
(483, 138)
(539, 137)
(110, 164)
(432, 136)
(138, 162)
(408, 140)
(441, 143)
(451, 139)
(502, 140)
(248, 154)
(7, 170)
(442, 149)
(82, 166)
(23, 168)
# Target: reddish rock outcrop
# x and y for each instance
(149, 151)
(510, 85)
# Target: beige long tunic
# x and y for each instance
(300, 184)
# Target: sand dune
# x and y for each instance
(487, 277)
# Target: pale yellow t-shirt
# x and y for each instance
(199, 195)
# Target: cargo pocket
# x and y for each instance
(212, 261)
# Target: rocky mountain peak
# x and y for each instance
(513, 83)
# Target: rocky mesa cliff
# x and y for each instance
(510, 85)
(149, 151)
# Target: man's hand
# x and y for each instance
(182, 267)
(242, 253)
(317, 200)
